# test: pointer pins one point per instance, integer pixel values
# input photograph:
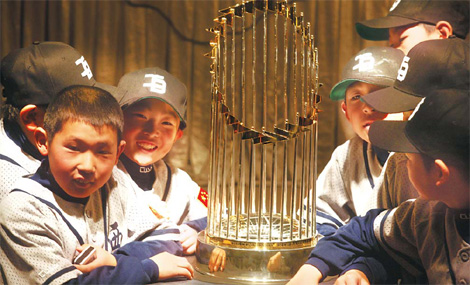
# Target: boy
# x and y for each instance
(345, 186)
(154, 106)
(78, 197)
(429, 239)
(31, 76)
(410, 22)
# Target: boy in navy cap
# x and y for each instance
(428, 237)
(31, 77)
(410, 22)
(345, 188)
(154, 106)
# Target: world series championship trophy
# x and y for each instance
(264, 117)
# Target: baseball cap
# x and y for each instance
(373, 65)
(154, 83)
(430, 65)
(408, 12)
(35, 74)
(439, 127)
(109, 88)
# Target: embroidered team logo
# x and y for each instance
(403, 70)
(203, 197)
(394, 5)
(365, 62)
(157, 83)
(86, 68)
(115, 236)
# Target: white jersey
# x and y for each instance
(345, 188)
(40, 231)
(175, 196)
(422, 236)
(14, 163)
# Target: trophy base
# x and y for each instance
(247, 266)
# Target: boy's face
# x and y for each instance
(406, 37)
(82, 157)
(358, 113)
(151, 127)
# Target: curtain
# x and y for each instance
(120, 36)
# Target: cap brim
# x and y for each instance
(339, 90)
(391, 136)
(391, 100)
(377, 29)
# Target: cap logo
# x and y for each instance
(403, 69)
(365, 62)
(157, 84)
(394, 5)
(416, 109)
(86, 68)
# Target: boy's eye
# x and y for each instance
(138, 115)
(356, 97)
(167, 123)
(73, 147)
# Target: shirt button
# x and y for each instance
(464, 256)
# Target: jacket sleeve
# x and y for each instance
(199, 224)
(336, 253)
(129, 270)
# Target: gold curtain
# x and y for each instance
(125, 35)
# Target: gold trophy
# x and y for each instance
(264, 85)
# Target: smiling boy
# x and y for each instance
(154, 106)
(78, 197)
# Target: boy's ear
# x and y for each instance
(445, 29)
(40, 137)
(345, 110)
(121, 147)
(32, 117)
(179, 134)
(444, 172)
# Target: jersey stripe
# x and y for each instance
(72, 229)
(58, 274)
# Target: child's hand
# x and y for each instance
(217, 260)
(171, 266)
(353, 276)
(188, 239)
(101, 258)
(307, 274)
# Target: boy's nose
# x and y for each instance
(152, 129)
(87, 163)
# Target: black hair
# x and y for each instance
(461, 163)
(91, 105)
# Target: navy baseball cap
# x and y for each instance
(154, 83)
(439, 127)
(409, 12)
(429, 66)
(35, 74)
(373, 65)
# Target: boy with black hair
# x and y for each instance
(410, 22)
(154, 106)
(345, 187)
(428, 239)
(31, 77)
(78, 197)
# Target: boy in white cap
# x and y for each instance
(345, 186)
(429, 237)
(154, 106)
(410, 22)
(31, 77)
